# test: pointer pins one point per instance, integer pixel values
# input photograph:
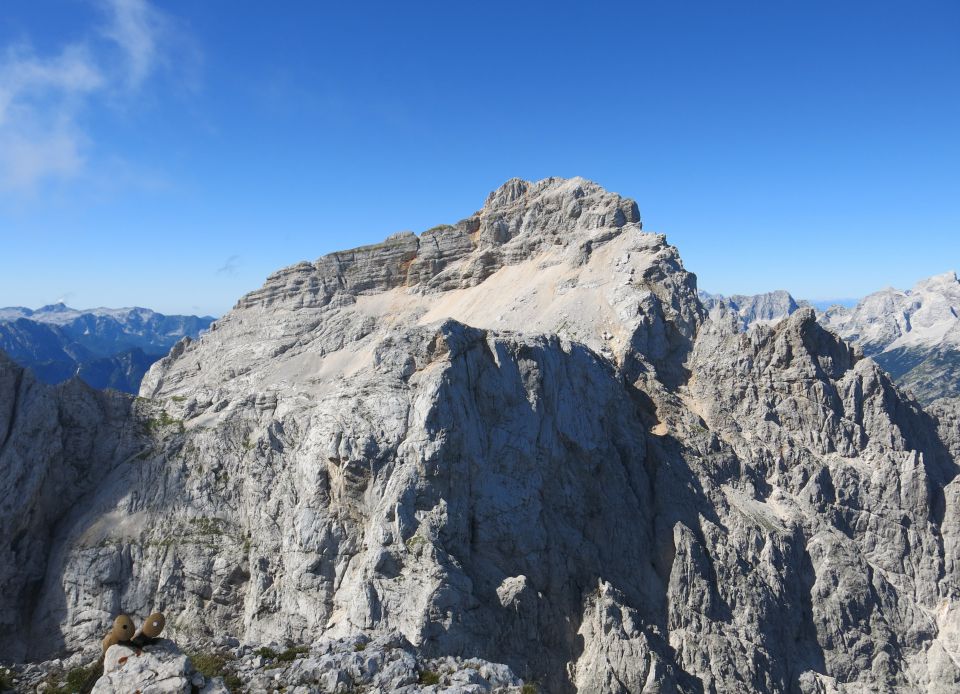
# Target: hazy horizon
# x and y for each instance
(822, 303)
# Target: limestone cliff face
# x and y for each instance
(519, 438)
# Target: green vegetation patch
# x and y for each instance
(203, 525)
(428, 677)
(210, 664)
(79, 680)
(414, 541)
(162, 421)
(215, 665)
(292, 653)
(233, 682)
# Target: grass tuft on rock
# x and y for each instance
(79, 680)
(233, 682)
(428, 677)
(210, 664)
(291, 654)
(215, 665)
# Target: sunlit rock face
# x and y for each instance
(521, 438)
(913, 334)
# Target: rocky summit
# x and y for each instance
(518, 445)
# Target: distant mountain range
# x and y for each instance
(107, 348)
(754, 309)
(914, 333)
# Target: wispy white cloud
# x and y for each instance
(39, 101)
(43, 98)
(25, 76)
(136, 28)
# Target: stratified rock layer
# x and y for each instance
(521, 438)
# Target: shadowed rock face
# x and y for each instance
(58, 446)
(521, 438)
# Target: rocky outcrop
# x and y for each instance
(159, 668)
(386, 664)
(522, 439)
(855, 480)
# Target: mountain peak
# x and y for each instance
(573, 203)
(518, 221)
(903, 325)
(756, 309)
(510, 191)
(58, 307)
(943, 281)
(555, 256)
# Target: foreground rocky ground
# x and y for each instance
(330, 666)
(521, 438)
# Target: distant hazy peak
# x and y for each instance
(926, 315)
(58, 307)
(60, 313)
(944, 282)
(755, 309)
(107, 347)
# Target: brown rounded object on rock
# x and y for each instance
(154, 625)
(123, 628)
(109, 640)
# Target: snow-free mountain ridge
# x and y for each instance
(107, 348)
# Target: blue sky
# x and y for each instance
(173, 154)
